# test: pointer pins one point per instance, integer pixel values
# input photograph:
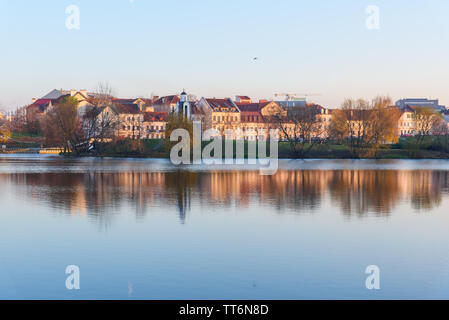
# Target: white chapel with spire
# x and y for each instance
(184, 106)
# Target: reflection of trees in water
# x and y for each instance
(374, 191)
(297, 190)
(100, 195)
(361, 192)
(427, 189)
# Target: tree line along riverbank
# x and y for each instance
(406, 148)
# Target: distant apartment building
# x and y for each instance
(219, 114)
(406, 122)
(435, 104)
(256, 118)
(245, 119)
(134, 122)
(154, 125)
(166, 104)
(40, 107)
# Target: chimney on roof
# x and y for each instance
(33, 100)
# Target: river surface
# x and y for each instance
(145, 229)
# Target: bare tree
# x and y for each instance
(300, 127)
(63, 127)
(100, 125)
(441, 132)
(366, 126)
(383, 127)
(351, 124)
(426, 122)
(104, 94)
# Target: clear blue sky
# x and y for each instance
(142, 47)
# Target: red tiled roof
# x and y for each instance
(221, 103)
(124, 101)
(127, 108)
(251, 107)
(168, 100)
(42, 102)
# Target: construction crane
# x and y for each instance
(293, 96)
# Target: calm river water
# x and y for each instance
(144, 229)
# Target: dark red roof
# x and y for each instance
(221, 103)
(42, 102)
(41, 105)
(124, 101)
(251, 107)
(127, 108)
(168, 100)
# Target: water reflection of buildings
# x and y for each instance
(100, 195)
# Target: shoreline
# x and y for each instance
(126, 156)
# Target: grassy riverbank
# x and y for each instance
(432, 148)
(159, 149)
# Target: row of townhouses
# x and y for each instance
(147, 118)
